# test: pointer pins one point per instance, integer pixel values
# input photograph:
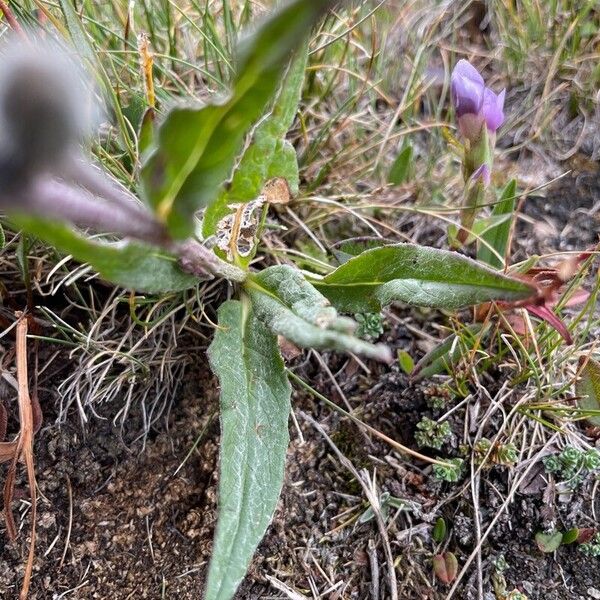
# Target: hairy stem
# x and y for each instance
(49, 198)
(116, 211)
(194, 255)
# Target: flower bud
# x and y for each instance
(474, 103)
(467, 89)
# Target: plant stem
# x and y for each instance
(106, 208)
(52, 199)
(195, 256)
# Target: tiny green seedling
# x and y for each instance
(432, 434)
(450, 472)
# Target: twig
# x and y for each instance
(372, 552)
(70, 526)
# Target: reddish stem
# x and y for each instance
(10, 19)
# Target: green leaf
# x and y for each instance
(570, 536)
(268, 155)
(416, 275)
(548, 542)
(478, 229)
(407, 364)
(293, 308)
(131, 265)
(255, 406)
(346, 249)
(401, 168)
(439, 530)
(285, 165)
(588, 388)
(197, 146)
(498, 235)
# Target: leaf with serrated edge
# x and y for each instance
(293, 308)
(133, 265)
(197, 146)
(416, 275)
(588, 388)
(255, 406)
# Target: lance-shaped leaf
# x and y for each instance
(197, 146)
(255, 406)
(498, 234)
(130, 264)
(588, 389)
(416, 275)
(268, 155)
(294, 309)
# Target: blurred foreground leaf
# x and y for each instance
(130, 264)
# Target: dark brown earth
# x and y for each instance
(118, 519)
(140, 531)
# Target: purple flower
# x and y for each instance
(467, 88)
(493, 109)
(474, 102)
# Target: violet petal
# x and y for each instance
(467, 88)
(493, 109)
(483, 173)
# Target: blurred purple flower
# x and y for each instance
(467, 88)
(474, 102)
(493, 109)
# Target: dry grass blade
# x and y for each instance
(21, 447)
